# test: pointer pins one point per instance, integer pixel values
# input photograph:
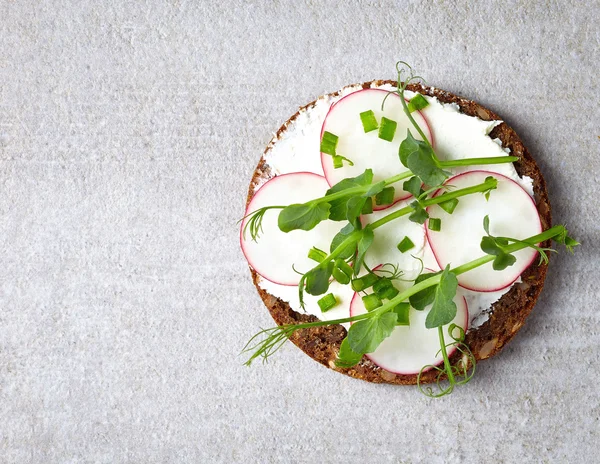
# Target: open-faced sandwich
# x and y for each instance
(397, 233)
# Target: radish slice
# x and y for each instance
(367, 150)
(411, 347)
(512, 213)
(274, 252)
(387, 237)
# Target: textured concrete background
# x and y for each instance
(128, 134)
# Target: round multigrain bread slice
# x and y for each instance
(507, 315)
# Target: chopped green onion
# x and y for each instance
(405, 245)
(342, 271)
(316, 255)
(340, 277)
(338, 162)
(417, 103)
(382, 284)
(435, 224)
(402, 310)
(386, 196)
(387, 129)
(389, 293)
(366, 281)
(329, 137)
(385, 289)
(327, 302)
(369, 121)
(329, 143)
(371, 302)
(343, 266)
(368, 208)
(450, 205)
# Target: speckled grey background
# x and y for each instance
(128, 134)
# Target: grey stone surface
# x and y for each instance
(128, 134)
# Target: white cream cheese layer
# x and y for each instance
(456, 136)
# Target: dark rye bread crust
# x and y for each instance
(507, 315)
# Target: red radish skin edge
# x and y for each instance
(324, 156)
(248, 211)
(450, 351)
(428, 242)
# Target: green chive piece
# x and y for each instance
(328, 148)
(387, 129)
(316, 255)
(384, 288)
(386, 196)
(329, 143)
(342, 272)
(450, 205)
(366, 281)
(327, 302)
(368, 208)
(369, 121)
(402, 310)
(435, 224)
(329, 137)
(340, 277)
(389, 293)
(417, 103)
(343, 266)
(371, 302)
(405, 245)
(338, 162)
(382, 284)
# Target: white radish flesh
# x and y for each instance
(409, 348)
(367, 150)
(275, 252)
(512, 213)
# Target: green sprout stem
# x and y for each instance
(288, 329)
(355, 236)
(409, 115)
(447, 366)
(487, 185)
(254, 223)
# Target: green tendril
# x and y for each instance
(449, 375)
(254, 223)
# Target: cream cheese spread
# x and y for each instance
(456, 136)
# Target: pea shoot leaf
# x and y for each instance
(424, 298)
(503, 260)
(489, 246)
(339, 238)
(486, 224)
(422, 163)
(408, 146)
(419, 215)
(337, 212)
(363, 245)
(495, 246)
(354, 208)
(419, 157)
(339, 206)
(302, 216)
(366, 335)
(413, 186)
(443, 310)
(347, 357)
(567, 241)
(317, 279)
(375, 189)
